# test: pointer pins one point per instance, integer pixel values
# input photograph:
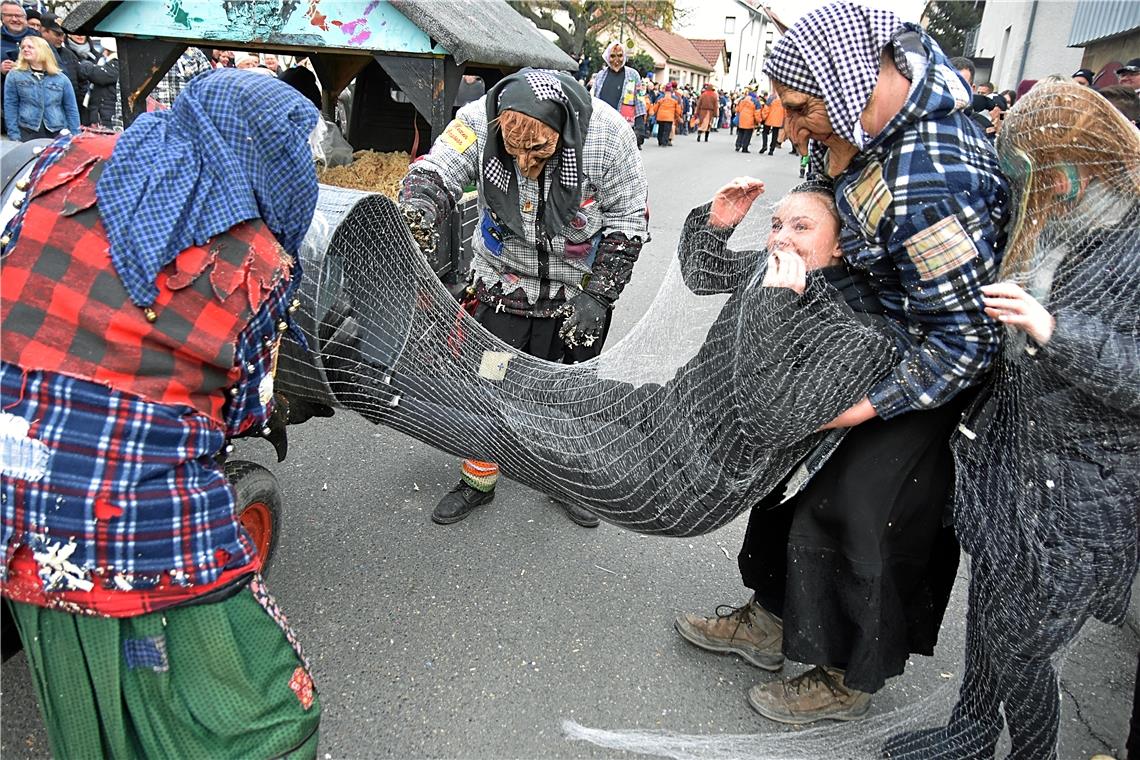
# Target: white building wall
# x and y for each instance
(1003, 32)
(750, 33)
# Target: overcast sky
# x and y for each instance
(790, 10)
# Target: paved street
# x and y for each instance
(479, 639)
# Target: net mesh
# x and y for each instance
(716, 397)
(1048, 464)
(689, 420)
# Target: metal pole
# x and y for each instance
(1025, 47)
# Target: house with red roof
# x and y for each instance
(748, 29)
(675, 58)
(716, 53)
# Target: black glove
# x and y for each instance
(426, 205)
(613, 267)
(586, 312)
(585, 319)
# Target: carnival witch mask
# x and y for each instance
(528, 140)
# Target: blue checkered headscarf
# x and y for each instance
(833, 53)
(233, 147)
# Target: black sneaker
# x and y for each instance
(459, 502)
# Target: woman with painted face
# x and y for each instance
(562, 204)
(38, 99)
(1050, 455)
(853, 573)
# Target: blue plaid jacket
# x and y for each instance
(92, 444)
(924, 211)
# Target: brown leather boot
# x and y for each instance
(818, 694)
(749, 631)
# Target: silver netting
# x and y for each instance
(715, 397)
(698, 413)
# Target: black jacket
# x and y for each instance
(69, 65)
(1049, 462)
(104, 82)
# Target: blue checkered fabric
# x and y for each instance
(146, 654)
(924, 208)
(233, 147)
(115, 447)
(833, 53)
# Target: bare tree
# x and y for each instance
(572, 21)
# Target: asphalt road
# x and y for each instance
(479, 639)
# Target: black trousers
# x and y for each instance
(537, 336)
(664, 132)
(858, 563)
(1010, 646)
(765, 131)
(743, 138)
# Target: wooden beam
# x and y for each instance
(335, 71)
(430, 85)
(142, 64)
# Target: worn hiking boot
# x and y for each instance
(818, 694)
(749, 631)
(459, 502)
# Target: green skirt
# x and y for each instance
(219, 680)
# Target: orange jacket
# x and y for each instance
(746, 109)
(669, 108)
(775, 113)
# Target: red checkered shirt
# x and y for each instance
(112, 501)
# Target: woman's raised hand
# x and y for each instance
(731, 202)
(1009, 304)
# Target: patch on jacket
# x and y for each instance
(940, 248)
(870, 198)
(458, 136)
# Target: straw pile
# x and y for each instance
(369, 170)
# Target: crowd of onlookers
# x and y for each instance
(988, 107)
(672, 109)
(55, 82)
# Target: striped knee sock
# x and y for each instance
(480, 475)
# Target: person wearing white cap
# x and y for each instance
(102, 99)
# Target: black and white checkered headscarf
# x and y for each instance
(562, 103)
(833, 53)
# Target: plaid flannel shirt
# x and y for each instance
(189, 65)
(113, 496)
(614, 199)
(94, 453)
(924, 211)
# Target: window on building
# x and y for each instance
(730, 24)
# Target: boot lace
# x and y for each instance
(810, 680)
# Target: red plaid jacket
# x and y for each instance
(65, 311)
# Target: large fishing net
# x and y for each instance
(697, 414)
(716, 397)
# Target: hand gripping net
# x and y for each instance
(698, 413)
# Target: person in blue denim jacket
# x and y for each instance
(38, 99)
